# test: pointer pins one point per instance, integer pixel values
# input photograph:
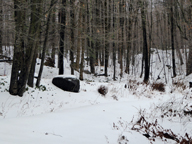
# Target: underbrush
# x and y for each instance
(103, 90)
(153, 130)
(158, 86)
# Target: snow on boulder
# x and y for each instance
(67, 82)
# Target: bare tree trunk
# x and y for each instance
(121, 22)
(129, 37)
(62, 20)
(77, 35)
(32, 70)
(172, 38)
(1, 26)
(91, 39)
(72, 18)
(53, 43)
(18, 57)
(106, 35)
(113, 38)
(31, 45)
(145, 46)
(45, 43)
(83, 22)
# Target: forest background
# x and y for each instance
(92, 32)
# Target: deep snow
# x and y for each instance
(51, 115)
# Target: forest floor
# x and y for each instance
(131, 112)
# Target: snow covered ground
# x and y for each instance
(49, 115)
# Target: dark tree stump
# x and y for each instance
(67, 83)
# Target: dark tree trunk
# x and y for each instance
(53, 36)
(31, 45)
(172, 39)
(18, 57)
(129, 38)
(62, 19)
(145, 46)
(45, 43)
(121, 21)
(83, 21)
(1, 26)
(113, 19)
(106, 40)
(72, 16)
(32, 70)
(83, 50)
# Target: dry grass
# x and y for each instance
(158, 86)
(180, 85)
(154, 130)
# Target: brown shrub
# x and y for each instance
(180, 84)
(158, 86)
(49, 62)
(103, 90)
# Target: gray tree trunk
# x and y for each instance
(18, 57)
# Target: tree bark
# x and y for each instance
(106, 5)
(31, 45)
(145, 46)
(172, 38)
(18, 57)
(1, 26)
(83, 39)
(72, 18)
(62, 20)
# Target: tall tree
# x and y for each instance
(83, 38)
(172, 36)
(91, 38)
(62, 20)
(121, 33)
(145, 46)
(18, 57)
(20, 72)
(34, 30)
(113, 19)
(1, 26)
(53, 2)
(72, 22)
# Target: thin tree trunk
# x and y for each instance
(1, 26)
(45, 43)
(172, 39)
(121, 22)
(53, 52)
(91, 44)
(106, 34)
(77, 35)
(83, 22)
(62, 20)
(129, 38)
(113, 38)
(72, 18)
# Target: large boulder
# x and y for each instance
(67, 83)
